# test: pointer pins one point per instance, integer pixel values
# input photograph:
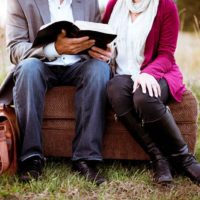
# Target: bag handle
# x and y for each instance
(8, 131)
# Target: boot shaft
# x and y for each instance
(167, 135)
(162, 173)
(143, 138)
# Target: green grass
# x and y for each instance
(127, 180)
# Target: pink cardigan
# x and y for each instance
(160, 47)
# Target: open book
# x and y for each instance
(101, 33)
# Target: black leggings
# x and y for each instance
(122, 100)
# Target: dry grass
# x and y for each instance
(197, 26)
(3, 53)
(188, 57)
(4, 62)
(126, 181)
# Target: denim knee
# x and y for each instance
(29, 67)
(97, 71)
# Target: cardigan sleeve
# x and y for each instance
(164, 59)
(109, 9)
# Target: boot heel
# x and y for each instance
(162, 173)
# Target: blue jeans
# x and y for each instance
(33, 78)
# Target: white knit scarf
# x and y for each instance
(119, 21)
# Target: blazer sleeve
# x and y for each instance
(17, 36)
(164, 60)
(97, 14)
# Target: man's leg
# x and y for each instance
(90, 102)
(31, 79)
(90, 78)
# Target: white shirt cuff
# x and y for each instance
(133, 77)
(50, 52)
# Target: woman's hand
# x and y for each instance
(147, 82)
(100, 54)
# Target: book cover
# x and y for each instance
(101, 33)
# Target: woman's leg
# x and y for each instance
(163, 129)
(174, 146)
(120, 95)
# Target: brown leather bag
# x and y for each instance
(9, 137)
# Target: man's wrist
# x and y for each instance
(51, 52)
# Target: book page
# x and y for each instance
(54, 22)
(46, 25)
(93, 26)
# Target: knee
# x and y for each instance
(117, 97)
(148, 108)
(98, 71)
(29, 67)
(113, 89)
(140, 100)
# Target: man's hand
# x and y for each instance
(100, 54)
(147, 82)
(65, 45)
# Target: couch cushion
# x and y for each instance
(59, 127)
(60, 105)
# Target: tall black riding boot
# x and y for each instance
(173, 144)
(162, 173)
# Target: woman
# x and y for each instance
(146, 78)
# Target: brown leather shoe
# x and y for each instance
(89, 171)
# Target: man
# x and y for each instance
(58, 63)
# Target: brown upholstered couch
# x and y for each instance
(59, 125)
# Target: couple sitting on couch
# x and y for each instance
(146, 77)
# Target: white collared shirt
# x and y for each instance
(127, 62)
(60, 12)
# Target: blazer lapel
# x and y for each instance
(78, 7)
(43, 7)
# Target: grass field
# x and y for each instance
(127, 179)
(3, 56)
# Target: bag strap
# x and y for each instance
(4, 157)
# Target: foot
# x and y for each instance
(162, 173)
(191, 167)
(31, 169)
(89, 171)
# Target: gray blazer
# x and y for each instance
(24, 18)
